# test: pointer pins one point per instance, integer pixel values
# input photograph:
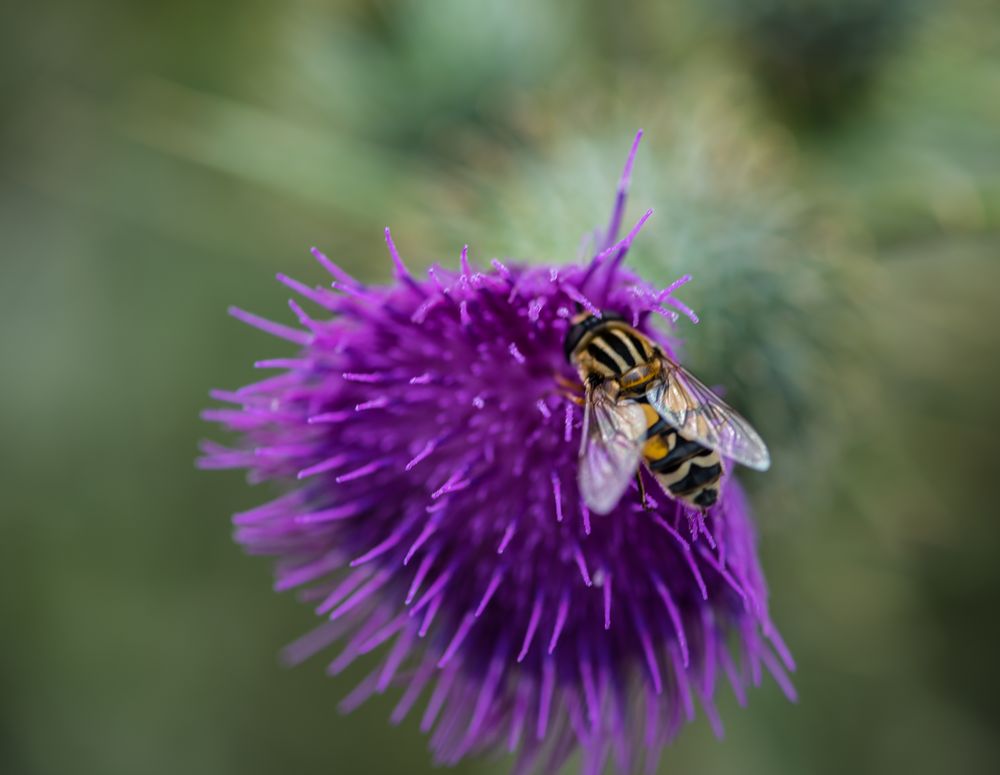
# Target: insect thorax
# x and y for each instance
(635, 380)
(582, 326)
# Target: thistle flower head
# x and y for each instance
(434, 516)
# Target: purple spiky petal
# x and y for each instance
(434, 516)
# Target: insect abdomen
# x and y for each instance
(684, 468)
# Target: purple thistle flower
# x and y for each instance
(435, 516)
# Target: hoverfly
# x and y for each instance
(641, 406)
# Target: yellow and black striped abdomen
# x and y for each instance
(687, 470)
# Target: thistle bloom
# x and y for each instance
(435, 516)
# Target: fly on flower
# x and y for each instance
(434, 516)
(642, 405)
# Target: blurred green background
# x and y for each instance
(829, 172)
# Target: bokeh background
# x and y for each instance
(829, 171)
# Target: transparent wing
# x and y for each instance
(702, 416)
(613, 434)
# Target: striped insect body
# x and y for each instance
(643, 408)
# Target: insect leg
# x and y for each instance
(570, 389)
(568, 384)
(642, 490)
